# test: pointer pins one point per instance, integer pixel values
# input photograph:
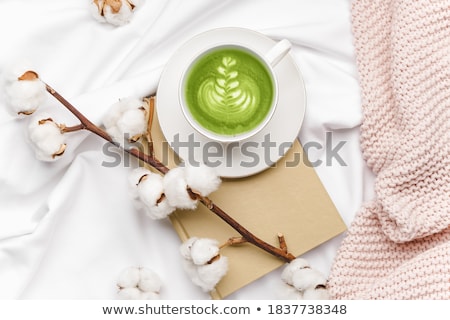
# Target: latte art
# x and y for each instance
(228, 97)
(229, 91)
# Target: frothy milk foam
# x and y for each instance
(229, 91)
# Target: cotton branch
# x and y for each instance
(86, 124)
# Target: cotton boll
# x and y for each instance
(203, 250)
(199, 250)
(307, 278)
(129, 277)
(146, 189)
(136, 175)
(202, 179)
(113, 115)
(126, 119)
(149, 281)
(211, 274)
(115, 12)
(16, 69)
(150, 191)
(46, 139)
(96, 9)
(175, 189)
(202, 269)
(133, 122)
(159, 211)
(186, 246)
(120, 17)
(206, 276)
(134, 178)
(138, 283)
(150, 188)
(191, 270)
(292, 267)
(24, 91)
(300, 281)
(25, 96)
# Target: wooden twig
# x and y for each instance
(155, 163)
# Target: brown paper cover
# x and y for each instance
(287, 198)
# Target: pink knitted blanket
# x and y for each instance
(398, 246)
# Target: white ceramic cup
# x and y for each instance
(269, 59)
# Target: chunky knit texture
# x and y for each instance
(398, 246)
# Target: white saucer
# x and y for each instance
(247, 157)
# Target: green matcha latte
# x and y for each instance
(229, 91)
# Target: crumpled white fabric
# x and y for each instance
(68, 228)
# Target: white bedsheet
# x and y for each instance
(68, 228)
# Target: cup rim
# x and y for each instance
(215, 136)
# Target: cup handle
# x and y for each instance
(277, 52)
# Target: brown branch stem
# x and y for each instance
(86, 124)
(246, 234)
(151, 111)
(65, 129)
(233, 241)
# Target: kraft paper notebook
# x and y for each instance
(282, 199)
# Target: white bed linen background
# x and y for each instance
(68, 228)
